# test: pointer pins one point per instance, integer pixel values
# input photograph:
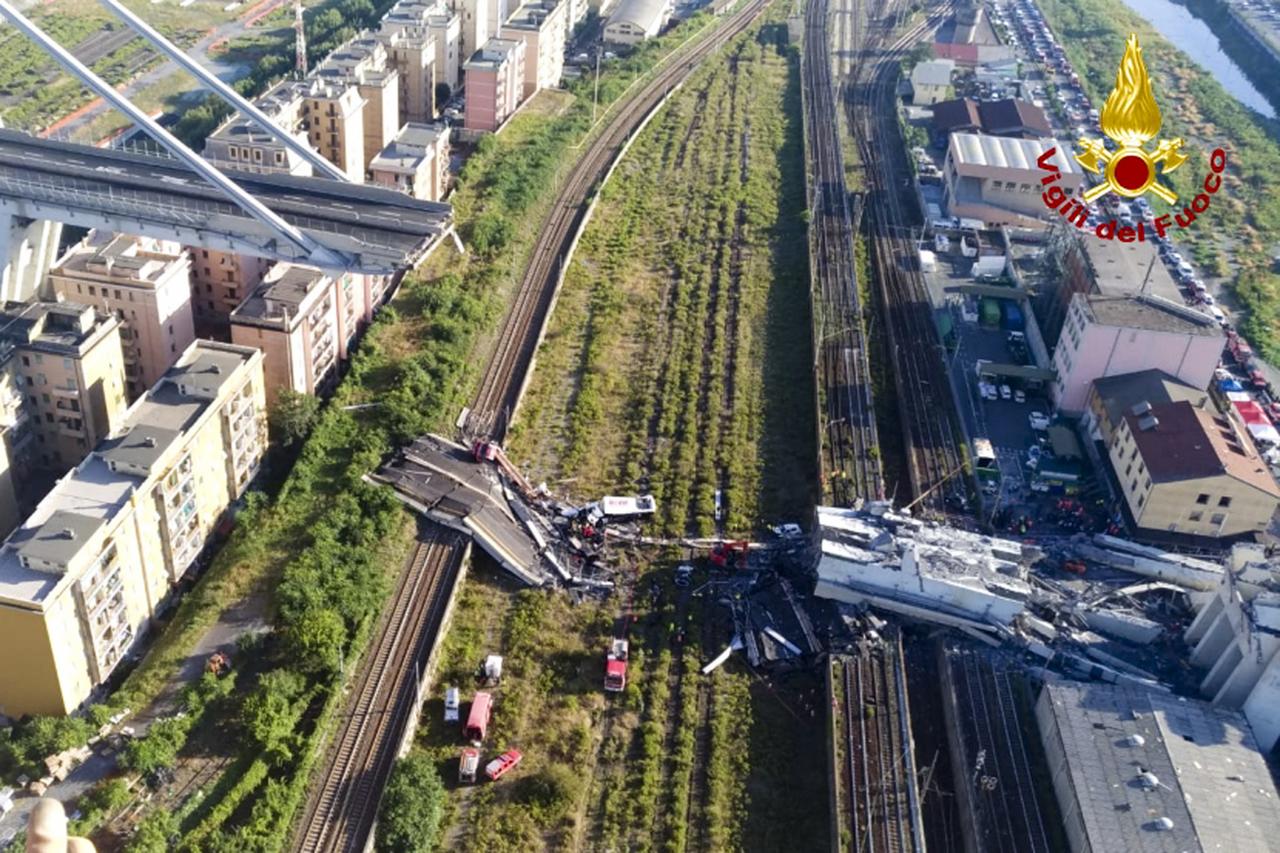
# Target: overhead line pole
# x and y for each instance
(241, 104)
(256, 209)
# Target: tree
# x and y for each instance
(314, 639)
(292, 416)
(271, 713)
(159, 748)
(44, 736)
(412, 806)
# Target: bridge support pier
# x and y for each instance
(28, 248)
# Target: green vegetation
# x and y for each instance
(412, 806)
(678, 359)
(1197, 108)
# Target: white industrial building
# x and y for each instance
(635, 21)
(1234, 640)
(1143, 771)
(937, 573)
(996, 179)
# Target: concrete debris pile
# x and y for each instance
(1001, 592)
(479, 492)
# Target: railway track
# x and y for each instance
(1002, 785)
(850, 446)
(508, 369)
(341, 809)
(914, 350)
(878, 810)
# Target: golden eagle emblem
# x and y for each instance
(1131, 119)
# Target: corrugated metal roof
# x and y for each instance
(1003, 152)
(645, 14)
(933, 72)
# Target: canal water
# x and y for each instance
(1193, 37)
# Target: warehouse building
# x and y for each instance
(83, 577)
(996, 179)
(635, 21)
(1144, 771)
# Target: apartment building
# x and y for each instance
(495, 84)
(304, 320)
(82, 578)
(543, 27)
(67, 362)
(219, 283)
(1112, 396)
(240, 144)
(146, 283)
(1112, 335)
(474, 17)
(364, 63)
(1190, 470)
(435, 24)
(416, 162)
(17, 435)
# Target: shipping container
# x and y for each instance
(990, 311)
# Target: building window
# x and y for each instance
(118, 296)
(1196, 516)
(204, 253)
(1147, 485)
(1141, 501)
(1224, 501)
(1129, 470)
(92, 290)
(1202, 498)
(1134, 487)
(231, 276)
(1217, 518)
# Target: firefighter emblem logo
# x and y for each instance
(1131, 119)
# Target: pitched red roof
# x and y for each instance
(962, 53)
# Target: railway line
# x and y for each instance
(341, 809)
(1001, 783)
(877, 807)
(851, 464)
(915, 353)
(507, 371)
(343, 802)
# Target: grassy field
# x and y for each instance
(678, 761)
(1238, 235)
(677, 360)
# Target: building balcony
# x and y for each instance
(72, 392)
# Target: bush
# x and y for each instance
(159, 747)
(412, 807)
(550, 794)
(292, 416)
(155, 834)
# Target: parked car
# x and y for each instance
(1006, 392)
(1038, 420)
(1019, 396)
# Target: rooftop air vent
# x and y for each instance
(1162, 824)
(1134, 740)
(1148, 781)
(1141, 409)
(1148, 422)
(68, 533)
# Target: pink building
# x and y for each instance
(495, 83)
(1112, 335)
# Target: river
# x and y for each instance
(1194, 38)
